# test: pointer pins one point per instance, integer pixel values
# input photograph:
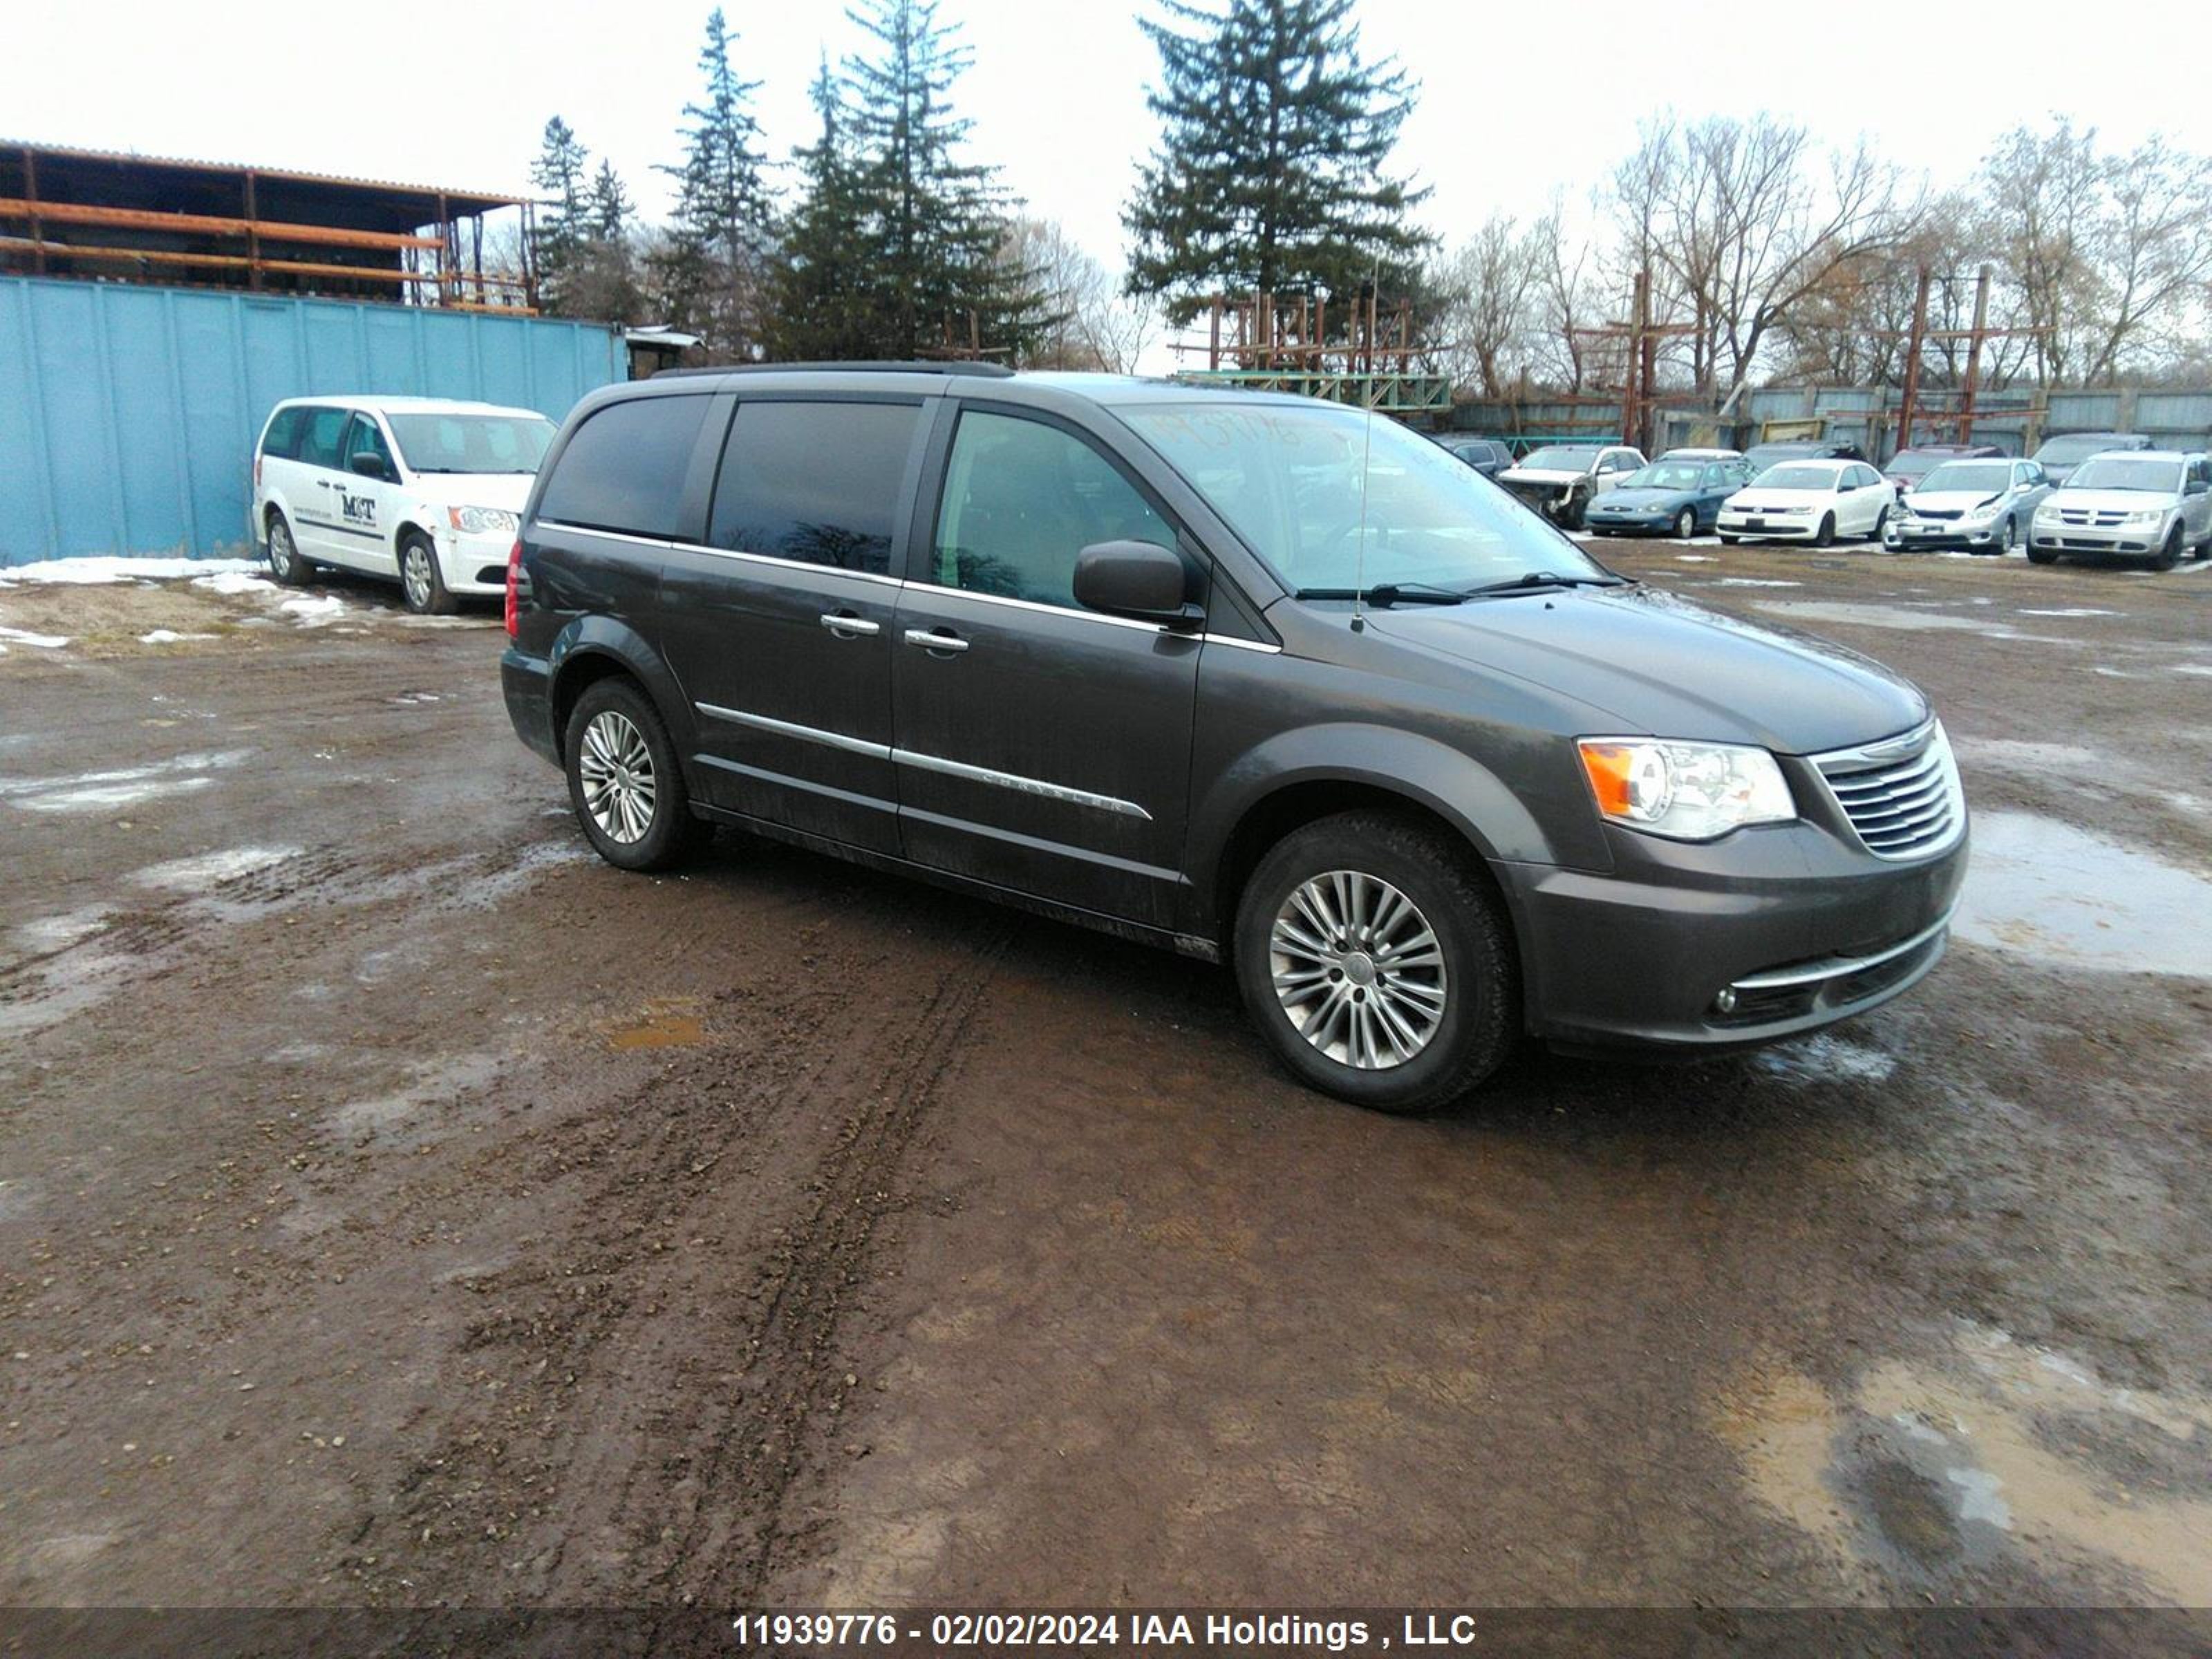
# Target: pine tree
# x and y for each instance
(934, 222)
(610, 209)
(1270, 172)
(718, 240)
(820, 291)
(558, 175)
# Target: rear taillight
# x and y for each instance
(257, 469)
(514, 587)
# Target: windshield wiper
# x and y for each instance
(1388, 593)
(1541, 579)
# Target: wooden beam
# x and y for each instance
(215, 261)
(76, 213)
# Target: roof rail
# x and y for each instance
(955, 366)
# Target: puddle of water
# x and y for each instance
(663, 1026)
(1977, 1451)
(2066, 897)
(1902, 621)
(2071, 611)
(198, 874)
(2017, 755)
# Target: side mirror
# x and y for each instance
(370, 465)
(1135, 579)
(2195, 487)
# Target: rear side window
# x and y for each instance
(321, 435)
(623, 469)
(283, 438)
(815, 482)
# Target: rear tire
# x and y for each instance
(1376, 963)
(285, 564)
(625, 781)
(1881, 524)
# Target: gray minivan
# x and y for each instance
(1256, 677)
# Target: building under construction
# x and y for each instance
(1283, 342)
(113, 217)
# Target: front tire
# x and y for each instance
(2168, 556)
(625, 781)
(1727, 540)
(1376, 963)
(422, 583)
(2042, 554)
(1826, 536)
(2009, 540)
(285, 564)
(1685, 525)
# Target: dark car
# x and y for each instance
(2059, 456)
(1257, 677)
(1909, 466)
(1759, 457)
(1488, 456)
(1681, 499)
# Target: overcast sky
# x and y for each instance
(457, 94)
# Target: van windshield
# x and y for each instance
(1332, 505)
(472, 443)
(2160, 477)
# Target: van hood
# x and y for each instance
(1661, 666)
(504, 490)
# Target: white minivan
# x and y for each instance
(422, 488)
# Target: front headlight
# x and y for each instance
(482, 520)
(1979, 514)
(1684, 791)
(2151, 515)
(2047, 514)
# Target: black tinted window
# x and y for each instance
(623, 469)
(283, 438)
(363, 438)
(319, 435)
(816, 483)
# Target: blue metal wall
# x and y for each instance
(128, 413)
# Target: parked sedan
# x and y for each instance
(1909, 466)
(1984, 507)
(1561, 480)
(2060, 455)
(1811, 502)
(1676, 498)
(1488, 456)
(2149, 502)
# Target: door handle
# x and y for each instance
(851, 628)
(933, 642)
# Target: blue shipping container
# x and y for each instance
(128, 413)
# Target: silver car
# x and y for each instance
(1983, 506)
(2151, 503)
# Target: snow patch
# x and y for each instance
(314, 613)
(109, 568)
(1694, 558)
(1825, 1059)
(170, 636)
(1753, 581)
(205, 870)
(245, 580)
(2071, 611)
(93, 792)
(41, 641)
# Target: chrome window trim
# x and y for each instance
(1039, 606)
(1842, 967)
(1013, 781)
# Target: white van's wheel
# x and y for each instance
(420, 580)
(285, 564)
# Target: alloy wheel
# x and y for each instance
(616, 768)
(280, 551)
(415, 574)
(1358, 970)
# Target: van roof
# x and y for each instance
(385, 404)
(990, 378)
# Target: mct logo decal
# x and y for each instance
(357, 509)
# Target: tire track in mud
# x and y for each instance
(668, 1374)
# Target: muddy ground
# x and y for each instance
(400, 1208)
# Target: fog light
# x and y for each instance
(1726, 1000)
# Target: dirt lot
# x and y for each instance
(399, 1207)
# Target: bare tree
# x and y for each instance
(1488, 292)
(2155, 254)
(1746, 225)
(1567, 296)
(1090, 325)
(2044, 190)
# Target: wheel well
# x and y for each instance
(411, 528)
(1267, 821)
(578, 675)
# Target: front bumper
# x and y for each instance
(1550, 500)
(1770, 528)
(1931, 536)
(2099, 538)
(1624, 524)
(474, 565)
(1705, 949)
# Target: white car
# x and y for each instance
(421, 489)
(1561, 480)
(1811, 502)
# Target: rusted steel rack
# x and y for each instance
(96, 214)
(1281, 342)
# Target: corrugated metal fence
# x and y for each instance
(128, 413)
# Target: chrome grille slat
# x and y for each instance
(1905, 807)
